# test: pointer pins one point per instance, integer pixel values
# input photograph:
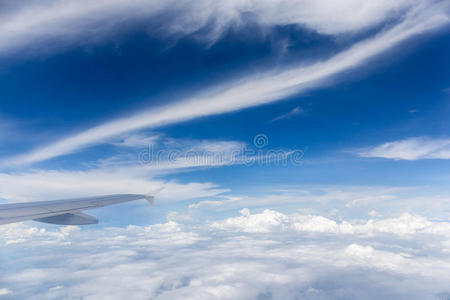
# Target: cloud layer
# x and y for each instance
(264, 255)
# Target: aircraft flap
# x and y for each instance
(69, 219)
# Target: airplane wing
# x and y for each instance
(62, 212)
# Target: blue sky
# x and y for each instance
(355, 96)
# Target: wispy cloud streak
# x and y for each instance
(410, 149)
(296, 111)
(27, 23)
(259, 89)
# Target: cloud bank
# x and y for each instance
(273, 221)
(250, 256)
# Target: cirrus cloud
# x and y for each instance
(415, 148)
(31, 23)
(253, 90)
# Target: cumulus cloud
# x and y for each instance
(273, 221)
(253, 90)
(165, 261)
(410, 149)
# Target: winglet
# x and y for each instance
(150, 197)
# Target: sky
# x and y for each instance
(298, 149)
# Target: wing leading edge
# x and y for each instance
(63, 212)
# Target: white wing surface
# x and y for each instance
(62, 212)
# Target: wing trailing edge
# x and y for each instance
(69, 219)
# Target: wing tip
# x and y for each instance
(150, 197)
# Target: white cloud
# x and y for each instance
(335, 201)
(167, 261)
(159, 154)
(28, 23)
(47, 185)
(258, 89)
(410, 149)
(133, 171)
(294, 112)
(178, 217)
(264, 222)
(273, 221)
(373, 213)
(348, 196)
(4, 292)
